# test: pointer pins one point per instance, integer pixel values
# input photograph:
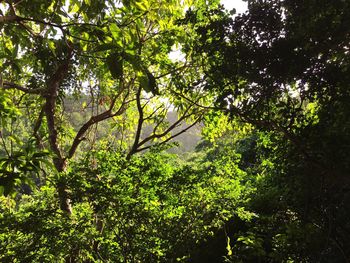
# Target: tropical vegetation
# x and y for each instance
(102, 104)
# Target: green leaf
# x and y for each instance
(126, 3)
(16, 67)
(228, 247)
(152, 84)
(40, 154)
(233, 11)
(148, 82)
(134, 61)
(115, 65)
(115, 31)
(8, 51)
(141, 5)
(144, 82)
(104, 47)
(52, 47)
(73, 8)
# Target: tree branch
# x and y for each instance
(153, 113)
(10, 18)
(168, 130)
(173, 136)
(93, 120)
(139, 124)
(11, 85)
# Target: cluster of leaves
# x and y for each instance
(153, 208)
(283, 67)
(301, 206)
(267, 64)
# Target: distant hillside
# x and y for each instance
(80, 111)
(188, 140)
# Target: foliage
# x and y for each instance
(283, 67)
(86, 91)
(150, 209)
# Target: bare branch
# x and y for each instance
(139, 124)
(168, 130)
(196, 102)
(96, 119)
(172, 136)
(153, 113)
(79, 136)
(10, 18)
(11, 85)
(163, 113)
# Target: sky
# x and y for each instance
(239, 5)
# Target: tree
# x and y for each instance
(68, 70)
(283, 67)
(89, 85)
(110, 55)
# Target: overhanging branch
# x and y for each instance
(11, 85)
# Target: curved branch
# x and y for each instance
(79, 137)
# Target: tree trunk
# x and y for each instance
(65, 202)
